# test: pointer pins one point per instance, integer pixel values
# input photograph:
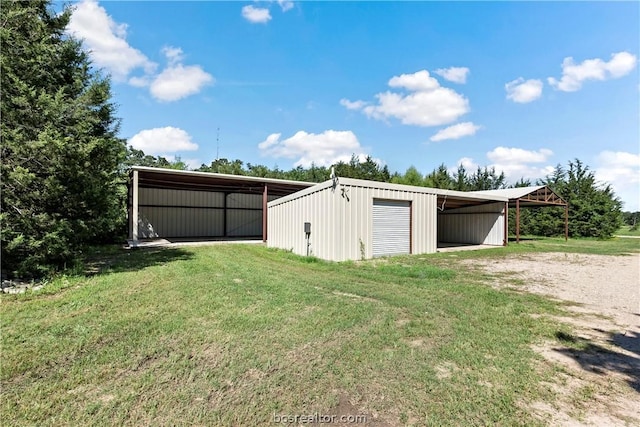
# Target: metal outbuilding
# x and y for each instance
(531, 197)
(350, 219)
(169, 204)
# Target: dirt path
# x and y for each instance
(599, 378)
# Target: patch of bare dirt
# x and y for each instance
(348, 412)
(599, 362)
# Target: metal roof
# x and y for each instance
(151, 177)
(539, 195)
(454, 199)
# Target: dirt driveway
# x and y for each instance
(599, 364)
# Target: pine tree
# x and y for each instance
(61, 184)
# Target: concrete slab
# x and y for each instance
(456, 247)
(172, 243)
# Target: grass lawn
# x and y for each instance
(232, 334)
(625, 230)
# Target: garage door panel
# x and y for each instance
(391, 227)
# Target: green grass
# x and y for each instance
(625, 230)
(231, 334)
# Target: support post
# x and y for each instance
(265, 194)
(134, 207)
(566, 222)
(518, 221)
(224, 215)
(505, 242)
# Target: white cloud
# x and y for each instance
(519, 163)
(174, 55)
(573, 75)
(106, 40)
(454, 74)
(518, 155)
(456, 131)
(427, 104)
(178, 81)
(143, 81)
(621, 170)
(256, 15)
(420, 81)
(522, 91)
(321, 149)
(468, 164)
(286, 5)
(162, 140)
(352, 105)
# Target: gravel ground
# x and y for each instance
(607, 285)
(607, 321)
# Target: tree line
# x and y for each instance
(63, 175)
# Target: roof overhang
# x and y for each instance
(528, 197)
(149, 177)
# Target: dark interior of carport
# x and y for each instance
(191, 201)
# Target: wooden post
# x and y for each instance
(134, 207)
(566, 222)
(264, 213)
(518, 221)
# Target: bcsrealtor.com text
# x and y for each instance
(317, 419)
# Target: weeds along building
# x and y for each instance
(340, 219)
(349, 219)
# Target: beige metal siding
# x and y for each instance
(285, 225)
(179, 213)
(166, 197)
(179, 222)
(184, 213)
(356, 218)
(244, 223)
(483, 224)
(341, 221)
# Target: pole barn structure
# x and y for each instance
(531, 197)
(176, 204)
(351, 219)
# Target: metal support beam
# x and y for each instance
(224, 214)
(518, 221)
(265, 194)
(134, 207)
(505, 241)
(566, 222)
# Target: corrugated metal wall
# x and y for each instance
(185, 213)
(342, 221)
(285, 225)
(483, 224)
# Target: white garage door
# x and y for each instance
(391, 227)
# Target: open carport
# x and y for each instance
(531, 198)
(189, 205)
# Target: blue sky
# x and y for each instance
(519, 86)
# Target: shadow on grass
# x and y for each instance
(115, 259)
(600, 360)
